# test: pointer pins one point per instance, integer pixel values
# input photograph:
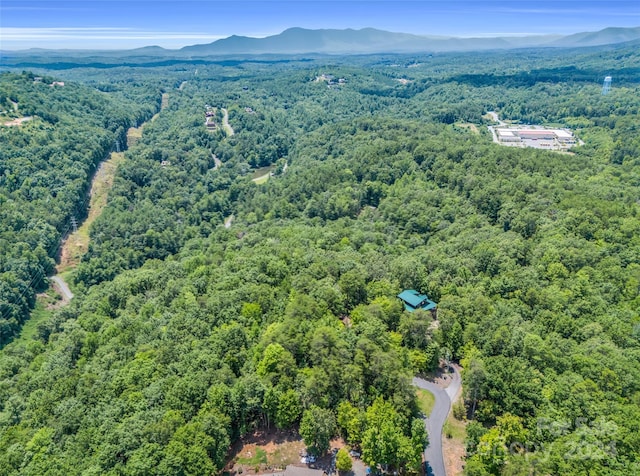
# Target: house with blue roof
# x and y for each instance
(413, 301)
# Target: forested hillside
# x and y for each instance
(188, 334)
(46, 164)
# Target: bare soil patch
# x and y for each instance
(51, 299)
(265, 451)
(453, 442)
(18, 121)
(453, 452)
(270, 451)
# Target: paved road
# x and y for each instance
(62, 287)
(435, 421)
(495, 117)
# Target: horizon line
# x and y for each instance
(128, 34)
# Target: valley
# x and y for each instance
(235, 288)
(76, 245)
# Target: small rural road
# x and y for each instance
(217, 162)
(62, 287)
(495, 117)
(492, 129)
(435, 421)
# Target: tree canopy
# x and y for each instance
(186, 334)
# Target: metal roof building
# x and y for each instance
(413, 301)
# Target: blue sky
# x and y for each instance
(169, 23)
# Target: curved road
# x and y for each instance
(216, 161)
(495, 117)
(62, 287)
(434, 422)
(492, 129)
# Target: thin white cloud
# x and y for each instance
(89, 33)
(568, 11)
(501, 34)
(53, 30)
(20, 38)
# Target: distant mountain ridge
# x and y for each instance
(349, 41)
(603, 37)
(363, 41)
(370, 40)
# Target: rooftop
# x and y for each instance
(505, 132)
(413, 300)
(563, 134)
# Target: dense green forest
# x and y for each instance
(45, 168)
(186, 334)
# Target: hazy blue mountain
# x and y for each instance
(299, 40)
(149, 51)
(349, 41)
(366, 40)
(603, 37)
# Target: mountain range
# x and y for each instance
(366, 40)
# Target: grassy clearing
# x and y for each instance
(77, 244)
(133, 134)
(453, 445)
(261, 171)
(261, 180)
(426, 401)
(225, 123)
(259, 456)
(467, 125)
(38, 315)
(259, 174)
(454, 429)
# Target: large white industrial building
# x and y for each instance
(535, 137)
